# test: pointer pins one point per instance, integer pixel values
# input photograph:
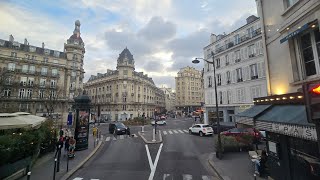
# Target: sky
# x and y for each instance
(163, 36)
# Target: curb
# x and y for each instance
(150, 142)
(70, 173)
(211, 163)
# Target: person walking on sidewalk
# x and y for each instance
(94, 131)
(72, 144)
(259, 165)
(66, 145)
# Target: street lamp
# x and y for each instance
(196, 61)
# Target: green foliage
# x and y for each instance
(231, 143)
(20, 143)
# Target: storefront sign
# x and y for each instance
(305, 132)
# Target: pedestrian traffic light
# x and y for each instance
(312, 101)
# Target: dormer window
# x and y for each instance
(46, 51)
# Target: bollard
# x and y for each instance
(59, 156)
(67, 163)
(255, 176)
(29, 174)
(153, 136)
(142, 129)
(54, 169)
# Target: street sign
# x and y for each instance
(69, 120)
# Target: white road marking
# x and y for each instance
(149, 158)
(180, 131)
(114, 138)
(155, 163)
(175, 131)
(186, 131)
(207, 177)
(77, 178)
(94, 179)
(165, 132)
(170, 132)
(134, 135)
(121, 137)
(186, 177)
(108, 139)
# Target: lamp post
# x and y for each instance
(196, 61)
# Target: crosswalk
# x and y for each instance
(175, 131)
(120, 137)
(170, 177)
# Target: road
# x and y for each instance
(181, 156)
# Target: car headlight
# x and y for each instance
(118, 129)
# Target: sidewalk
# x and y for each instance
(44, 167)
(147, 137)
(233, 166)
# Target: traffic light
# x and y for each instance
(312, 101)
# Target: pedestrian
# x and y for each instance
(72, 144)
(66, 144)
(260, 164)
(94, 131)
(61, 133)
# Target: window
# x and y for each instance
(74, 65)
(53, 83)
(24, 68)
(45, 60)
(29, 93)
(208, 67)
(237, 55)
(219, 79)
(75, 57)
(255, 92)
(27, 56)
(32, 69)
(252, 50)
(239, 74)
(228, 96)
(73, 74)
(289, 3)
(44, 71)
(250, 32)
(237, 39)
(52, 94)
(308, 53)
(55, 61)
(30, 81)
(34, 57)
(23, 81)
(21, 93)
(7, 92)
(11, 66)
(125, 72)
(218, 63)
(209, 81)
(46, 51)
(56, 53)
(228, 77)
(220, 97)
(253, 71)
(227, 60)
(54, 72)
(42, 82)
(13, 54)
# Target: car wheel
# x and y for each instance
(190, 132)
(201, 133)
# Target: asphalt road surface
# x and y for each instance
(181, 156)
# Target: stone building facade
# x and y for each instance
(189, 90)
(124, 93)
(170, 98)
(240, 70)
(34, 78)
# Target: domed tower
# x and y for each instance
(74, 50)
(125, 63)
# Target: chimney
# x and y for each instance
(11, 39)
(26, 41)
(213, 38)
(43, 45)
(251, 18)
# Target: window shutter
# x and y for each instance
(263, 69)
(259, 70)
(238, 95)
(246, 73)
(243, 95)
(233, 76)
(233, 57)
(245, 55)
(242, 53)
(261, 47)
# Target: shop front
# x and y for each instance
(291, 140)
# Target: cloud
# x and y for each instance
(153, 66)
(158, 30)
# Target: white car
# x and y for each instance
(201, 129)
(159, 122)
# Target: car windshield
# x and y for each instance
(120, 125)
(205, 126)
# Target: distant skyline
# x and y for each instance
(163, 36)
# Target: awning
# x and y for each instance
(19, 120)
(296, 32)
(287, 114)
(253, 111)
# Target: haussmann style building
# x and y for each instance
(38, 79)
(123, 93)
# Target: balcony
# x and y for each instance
(251, 55)
(220, 49)
(219, 84)
(227, 63)
(229, 45)
(256, 32)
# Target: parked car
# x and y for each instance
(201, 129)
(223, 127)
(159, 122)
(244, 131)
(118, 128)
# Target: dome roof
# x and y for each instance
(75, 37)
(126, 54)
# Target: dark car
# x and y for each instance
(244, 131)
(223, 127)
(118, 128)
